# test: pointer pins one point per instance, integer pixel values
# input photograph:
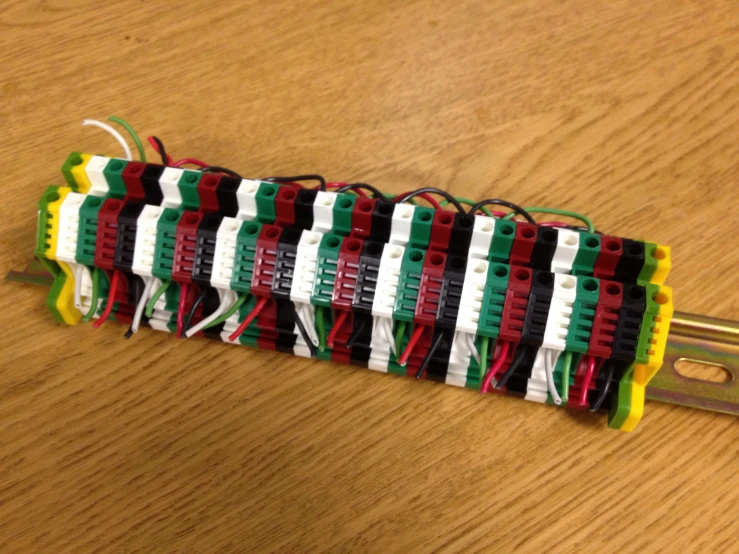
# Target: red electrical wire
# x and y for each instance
(417, 332)
(248, 319)
(155, 146)
(553, 224)
(111, 300)
(192, 161)
(495, 367)
(181, 309)
(586, 379)
(427, 197)
(335, 328)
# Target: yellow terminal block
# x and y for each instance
(643, 373)
(65, 299)
(664, 264)
(80, 175)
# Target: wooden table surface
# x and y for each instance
(627, 111)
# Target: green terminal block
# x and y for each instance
(621, 403)
(74, 159)
(644, 345)
(493, 300)
(188, 187)
(265, 198)
(502, 242)
(113, 174)
(650, 263)
(409, 283)
(87, 230)
(343, 208)
(587, 253)
(328, 259)
(421, 223)
(246, 248)
(165, 243)
(583, 315)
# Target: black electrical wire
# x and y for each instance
(162, 151)
(603, 393)
(517, 359)
(304, 334)
(191, 313)
(219, 169)
(297, 178)
(497, 202)
(365, 186)
(356, 332)
(432, 190)
(429, 355)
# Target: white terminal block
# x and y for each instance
(94, 171)
(379, 346)
(482, 237)
(323, 211)
(568, 242)
(246, 197)
(306, 267)
(388, 276)
(69, 223)
(536, 386)
(225, 252)
(168, 182)
(560, 312)
(146, 238)
(400, 226)
(473, 290)
(459, 361)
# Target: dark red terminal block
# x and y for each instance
(523, 244)
(362, 217)
(208, 192)
(606, 319)
(131, 176)
(516, 302)
(611, 249)
(107, 233)
(441, 230)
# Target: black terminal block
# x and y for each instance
(544, 248)
(150, 181)
(537, 310)
(205, 249)
(287, 251)
(228, 204)
(126, 236)
(451, 292)
(461, 237)
(367, 272)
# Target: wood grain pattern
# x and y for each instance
(627, 111)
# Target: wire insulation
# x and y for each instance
(248, 319)
(498, 202)
(555, 211)
(153, 300)
(495, 367)
(116, 135)
(134, 136)
(95, 292)
(110, 300)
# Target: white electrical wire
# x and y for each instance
(549, 370)
(77, 272)
(472, 347)
(116, 135)
(229, 299)
(387, 329)
(136, 321)
(305, 315)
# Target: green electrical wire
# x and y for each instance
(134, 136)
(399, 339)
(231, 311)
(567, 362)
(160, 291)
(483, 355)
(321, 324)
(94, 300)
(556, 211)
(469, 202)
